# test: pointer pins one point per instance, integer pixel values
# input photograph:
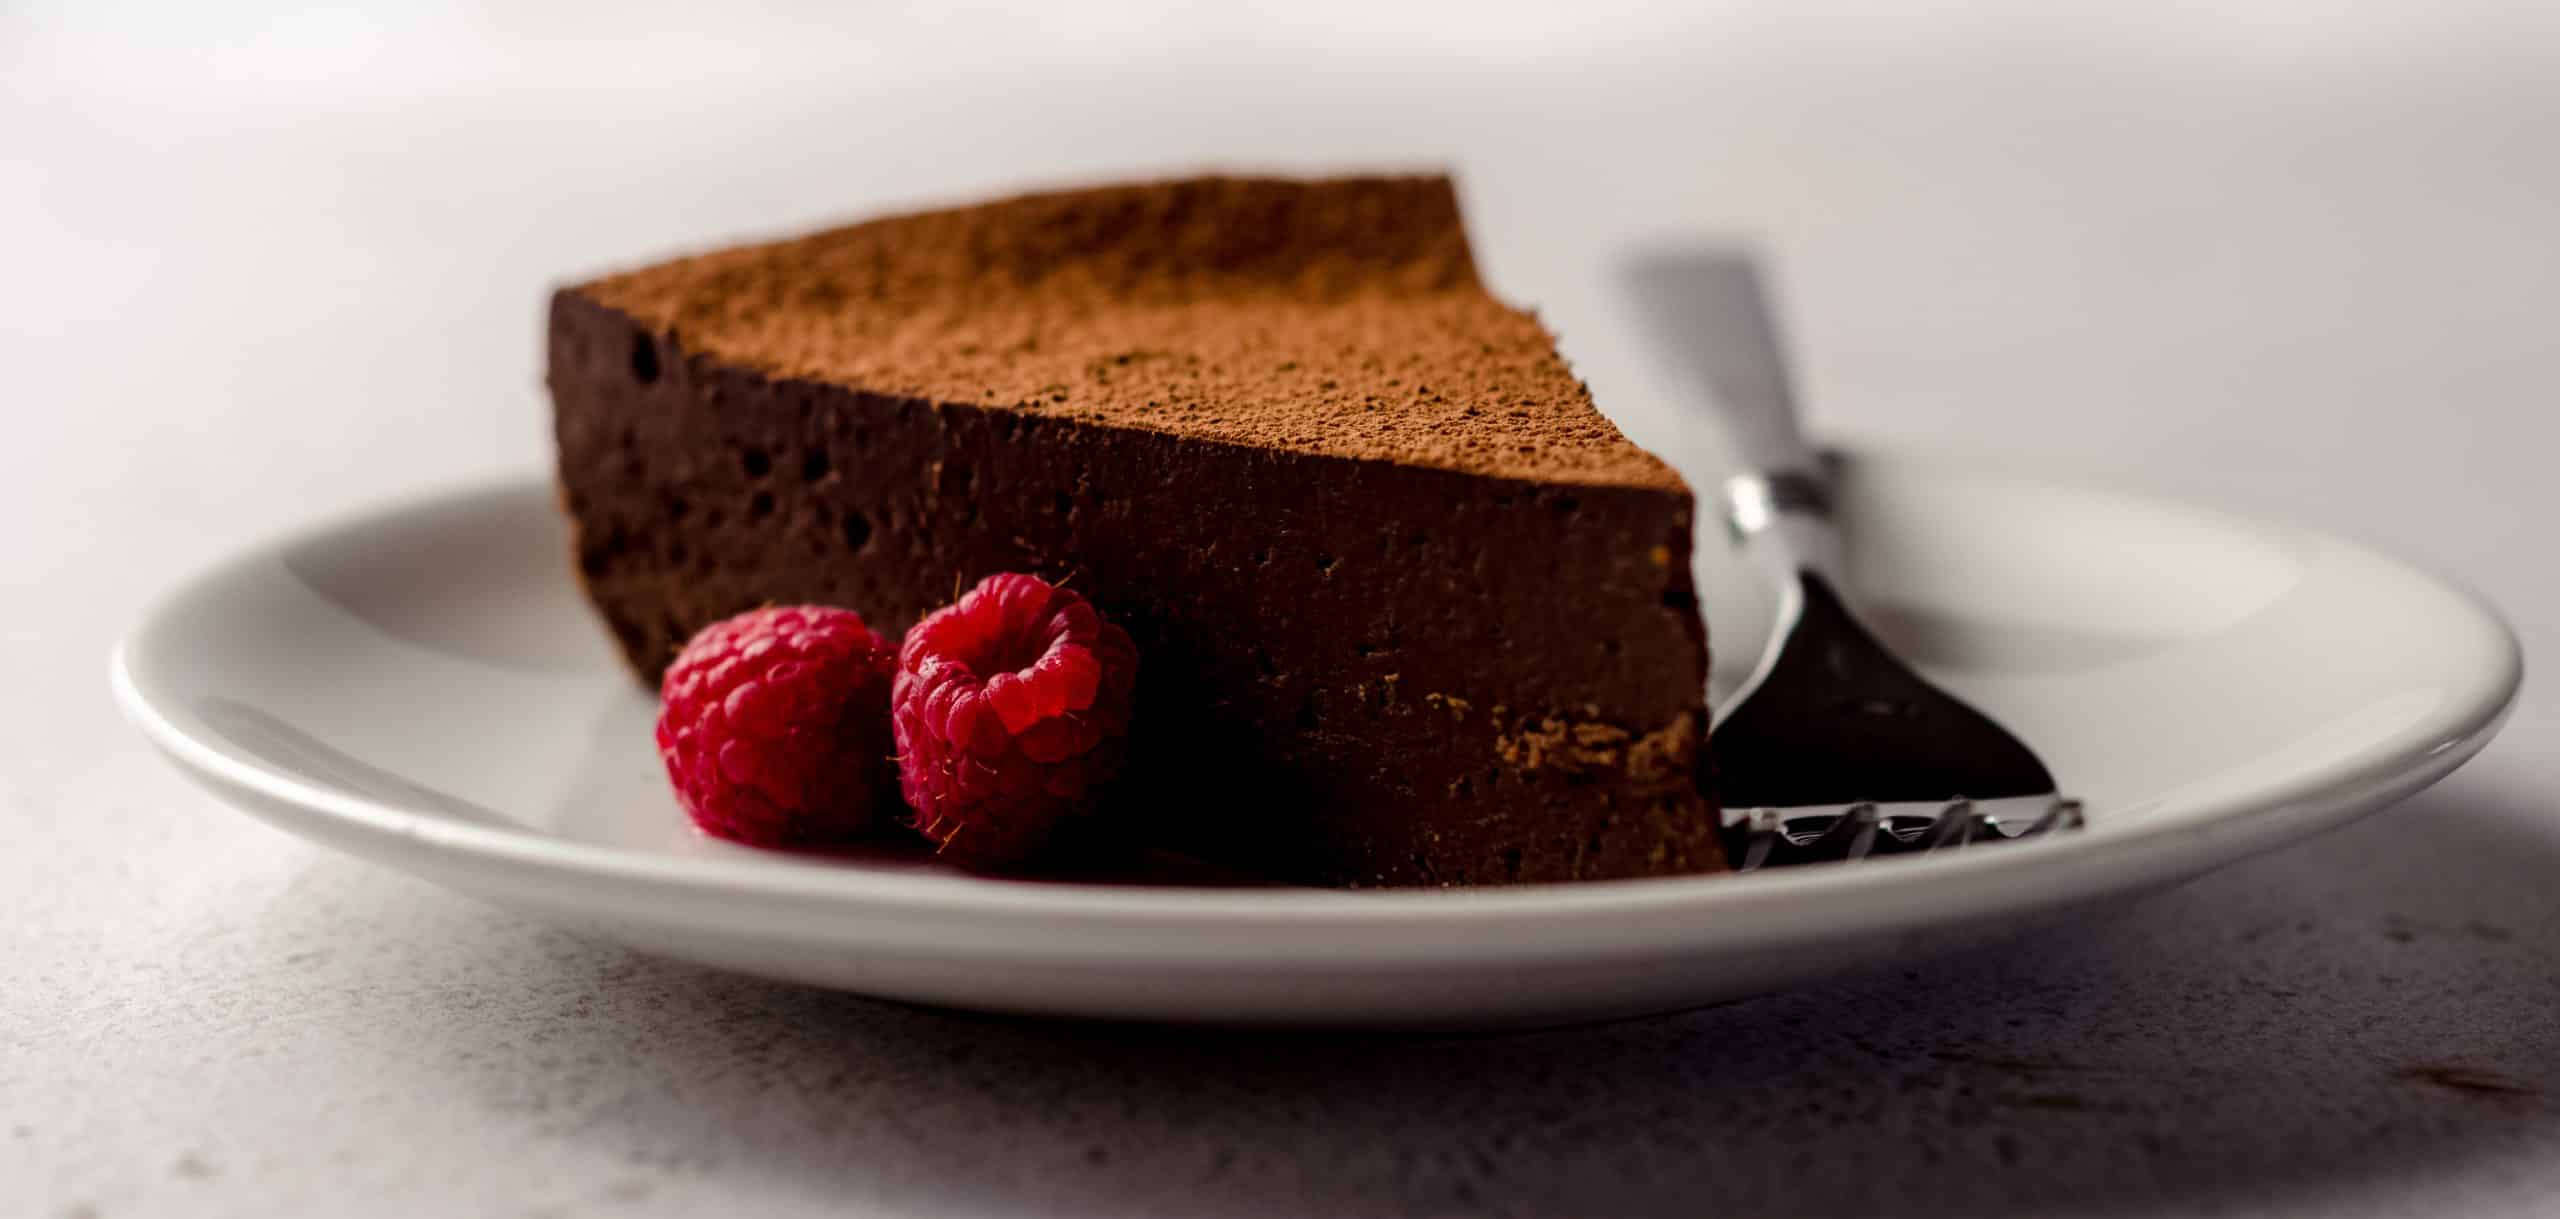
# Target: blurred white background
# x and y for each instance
(2120, 235)
(263, 262)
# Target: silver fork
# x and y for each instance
(1831, 748)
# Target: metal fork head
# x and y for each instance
(1834, 718)
(1839, 751)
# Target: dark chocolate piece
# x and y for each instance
(1411, 611)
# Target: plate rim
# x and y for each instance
(2015, 876)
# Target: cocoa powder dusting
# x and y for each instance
(1343, 316)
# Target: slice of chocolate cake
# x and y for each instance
(1412, 611)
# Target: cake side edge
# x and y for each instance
(654, 428)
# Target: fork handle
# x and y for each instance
(1709, 316)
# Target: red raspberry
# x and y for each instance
(774, 726)
(1009, 709)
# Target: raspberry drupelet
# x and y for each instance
(774, 727)
(1009, 709)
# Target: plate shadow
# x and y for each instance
(2337, 1016)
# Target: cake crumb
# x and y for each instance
(1581, 744)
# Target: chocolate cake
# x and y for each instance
(1412, 611)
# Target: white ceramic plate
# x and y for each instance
(425, 688)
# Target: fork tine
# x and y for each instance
(1954, 827)
(2062, 814)
(1851, 835)
(1762, 825)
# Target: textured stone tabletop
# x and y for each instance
(2274, 259)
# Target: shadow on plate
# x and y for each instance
(286, 748)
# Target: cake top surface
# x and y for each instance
(1342, 316)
